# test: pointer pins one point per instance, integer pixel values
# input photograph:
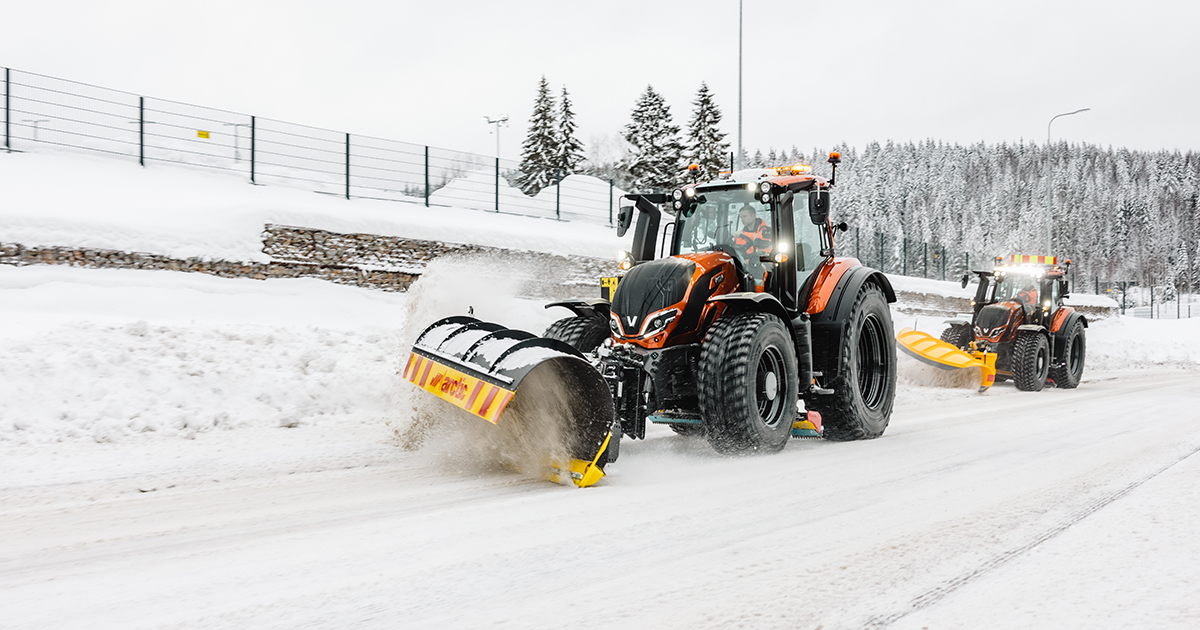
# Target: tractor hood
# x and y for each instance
(998, 322)
(648, 288)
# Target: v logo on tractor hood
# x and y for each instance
(632, 320)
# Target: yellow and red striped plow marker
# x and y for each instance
(477, 396)
(1037, 260)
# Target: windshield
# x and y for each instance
(1017, 287)
(722, 218)
(734, 220)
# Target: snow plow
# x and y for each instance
(748, 313)
(1019, 328)
(479, 367)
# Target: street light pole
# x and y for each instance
(738, 161)
(502, 120)
(1049, 214)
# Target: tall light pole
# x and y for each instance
(1049, 186)
(502, 120)
(738, 161)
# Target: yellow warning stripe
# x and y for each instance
(462, 390)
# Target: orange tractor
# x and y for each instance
(749, 312)
(1020, 328)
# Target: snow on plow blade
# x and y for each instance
(931, 351)
(479, 367)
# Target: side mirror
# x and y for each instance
(690, 208)
(1065, 288)
(843, 227)
(965, 279)
(818, 206)
(624, 220)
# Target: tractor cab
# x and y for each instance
(1033, 285)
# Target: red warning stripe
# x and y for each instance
(498, 408)
(474, 395)
(412, 358)
(425, 372)
(487, 402)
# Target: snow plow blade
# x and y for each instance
(931, 351)
(480, 366)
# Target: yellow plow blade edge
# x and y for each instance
(932, 351)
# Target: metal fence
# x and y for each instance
(40, 109)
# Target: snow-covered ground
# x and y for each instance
(185, 451)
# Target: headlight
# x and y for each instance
(765, 187)
(691, 192)
(766, 198)
(660, 322)
(678, 194)
(678, 204)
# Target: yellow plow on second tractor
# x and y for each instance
(932, 351)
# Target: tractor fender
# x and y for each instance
(760, 302)
(829, 325)
(595, 307)
(1034, 328)
(1058, 337)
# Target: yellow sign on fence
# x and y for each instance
(202, 134)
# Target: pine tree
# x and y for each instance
(706, 144)
(539, 152)
(570, 149)
(656, 153)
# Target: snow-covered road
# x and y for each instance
(1058, 509)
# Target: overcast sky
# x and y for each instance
(815, 74)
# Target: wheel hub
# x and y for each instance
(771, 385)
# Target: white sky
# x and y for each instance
(815, 73)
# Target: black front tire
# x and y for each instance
(1068, 375)
(865, 388)
(959, 336)
(747, 384)
(1030, 361)
(585, 334)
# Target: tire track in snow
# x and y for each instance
(940, 592)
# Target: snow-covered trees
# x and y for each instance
(706, 144)
(570, 149)
(551, 148)
(539, 152)
(655, 156)
(1120, 215)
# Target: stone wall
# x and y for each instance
(15, 254)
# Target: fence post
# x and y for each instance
(1097, 285)
(857, 252)
(142, 130)
(497, 181)
(7, 115)
(925, 255)
(904, 249)
(881, 253)
(611, 185)
(426, 176)
(558, 194)
(1151, 300)
(253, 128)
(943, 263)
(967, 262)
(347, 165)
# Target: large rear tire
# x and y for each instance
(865, 387)
(1074, 350)
(747, 384)
(1030, 361)
(585, 334)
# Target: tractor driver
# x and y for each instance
(1028, 294)
(754, 240)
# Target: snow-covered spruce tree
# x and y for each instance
(706, 144)
(570, 149)
(539, 152)
(656, 153)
